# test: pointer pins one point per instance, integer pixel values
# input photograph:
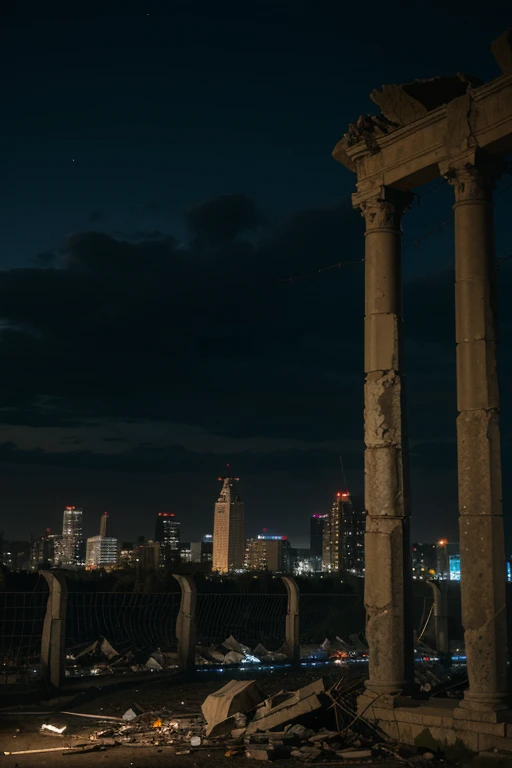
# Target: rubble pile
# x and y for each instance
(309, 724)
(101, 658)
(231, 651)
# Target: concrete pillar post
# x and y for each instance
(440, 614)
(292, 620)
(53, 641)
(388, 579)
(186, 624)
(482, 547)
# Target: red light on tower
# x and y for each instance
(338, 494)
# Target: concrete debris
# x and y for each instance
(354, 754)
(238, 720)
(54, 729)
(236, 696)
(133, 713)
(294, 706)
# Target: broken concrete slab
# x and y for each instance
(236, 696)
(223, 727)
(285, 713)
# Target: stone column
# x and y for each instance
(482, 547)
(388, 579)
(186, 624)
(53, 641)
(292, 620)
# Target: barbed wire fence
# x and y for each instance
(22, 617)
(250, 618)
(129, 620)
(330, 616)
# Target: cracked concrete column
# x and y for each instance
(388, 579)
(482, 547)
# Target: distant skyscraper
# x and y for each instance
(105, 525)
(343, 537)
(316, 535)
(167, 533)
(102, 550)
(72, 537)
(228, 528)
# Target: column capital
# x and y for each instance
(472, 175)
(383, 207)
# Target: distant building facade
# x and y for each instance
(343, 536)
(317, 525)
(73, 545)
(16, 555)
(228, 529)
(102, 552)
(147, 555)
(167, 533)
(424, 560)
(105, 525)
(201, 551)
(267, 553)
(46, 551)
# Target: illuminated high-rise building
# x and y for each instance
(102, 551)
(343, 536)
(267, 553)
(167, 533)
(228, 528)
(73, 553)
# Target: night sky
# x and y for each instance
(162, 170)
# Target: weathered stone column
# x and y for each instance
(388, 579)
(482, 547)
(292, 640)
(186, 624)
(53, 641)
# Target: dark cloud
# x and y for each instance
(205, 336)
(175, 459)
(97, 215)
(220, 220)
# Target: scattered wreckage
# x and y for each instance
(309, 724)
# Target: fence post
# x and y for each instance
(186, 624)
(53, 641)
(439, 590)
(292, 619)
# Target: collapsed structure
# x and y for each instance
(459, 128)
